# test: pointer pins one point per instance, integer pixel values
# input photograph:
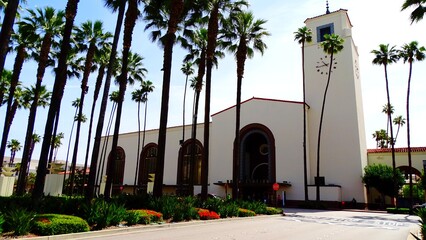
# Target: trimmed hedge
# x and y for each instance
(53, 224)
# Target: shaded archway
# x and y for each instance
(256, 166)
(148, 165)
(184, 166)
(118, 177)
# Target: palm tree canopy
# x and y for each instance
(187, 68)
(44, 96)
(135, 69)
(399, 120)
(113, 97)
(385, 55)
(14, 145)
(91, 33)
(419, 10)
(411, 52)
(388, 109)
(57, 140)
(36, 138)
(242, 28)
(303, 35)
(43, 21)
(332, 43)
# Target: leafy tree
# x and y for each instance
(14, 146)
(141, 96)
(382, 138)
(188, 71)
(398, 121)
(419, 9)
(302, 36)
(382, 178)
(331, 45)
(410, 53)
(58, 90)
(120, 7)
(242, 34)
(384, 56)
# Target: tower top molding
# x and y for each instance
(340, 11)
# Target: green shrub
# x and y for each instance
(132, 217)
(165, 204)
(52, 224)
(142, 216)
(18, 220)
(1, 222)
(185, 210)
(273, 211)
(256, 206)
(398, 210)
(228, 209)
(245, 213)
(100, 214)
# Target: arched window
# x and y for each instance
(148, 163)
(119, 163)
(184, 164)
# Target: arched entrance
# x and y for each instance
(118, 177)
(256, 163)
(147, 165)
(186, 167)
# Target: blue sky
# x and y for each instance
(276, 74)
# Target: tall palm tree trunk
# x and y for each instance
(5, 32)
(409, 137)
(55, 130)
(391, 128)
(318, 194)
(305, 163)
(17, 67)
(139, 148)
(97, 142)
(212, 32)
(98, 85)
(175, 14)
(58, 91)
(104, 103)
(129, 23)
(68, 149)
(241, 58)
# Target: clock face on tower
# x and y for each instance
(323, 63)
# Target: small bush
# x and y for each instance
(1, 223)
(245, 213)
(205, 214)
(143, 216)
(185, 210)
(228, 209)
(100, 214)
(53, 224)
(398, 210)
(19, 221)
(273, 211)
(256, 206)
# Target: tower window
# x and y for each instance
(323, 30)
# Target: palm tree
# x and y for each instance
(58, 90)
(14, 146)
(216, 10)
(410, 53)
(24, 40)
(242, 35)
(101, 59)
(5, 81)
(331, 45)
(384, 56)
(420, 8)
(90, 37)
(166, 15)
(25, 168)
(120, 6)
(6, 29)
(188, 71)
(382, 138)
(141, 96)
(57, 142)
(302, 36)
(388, 109)
(132, 14)
(47, 23)
(399, 121)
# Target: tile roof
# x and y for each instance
(388, 150)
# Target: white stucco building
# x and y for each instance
(271, 134)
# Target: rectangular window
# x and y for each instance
(323, 30)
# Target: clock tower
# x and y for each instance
(343, 153)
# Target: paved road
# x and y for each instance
(297, 224)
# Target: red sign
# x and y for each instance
(275, 186)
